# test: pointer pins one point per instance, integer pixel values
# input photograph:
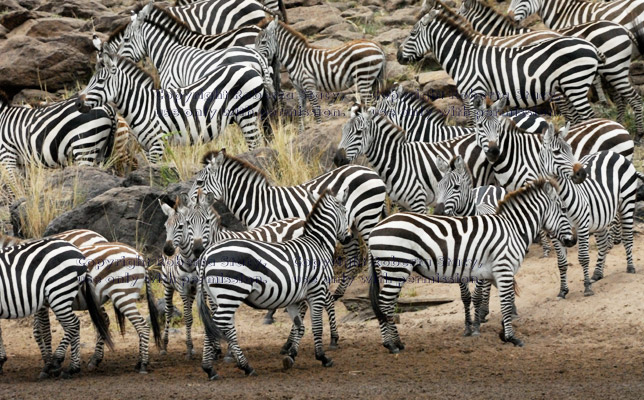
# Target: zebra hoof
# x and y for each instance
(562, 295)
(214, 377)
(41, 376)
(286, 348)
(468, 331)
(69, 373)
(515, 316)
(476, 333)
(212, 374)
(142, 368)
(630, 270)
(249, 371)
(588, 292)
(400, 345)
(92, 366)
(334, 343)
(287, 362)
(598, 276)
(268, 321)
(163, 352)
(392, 348)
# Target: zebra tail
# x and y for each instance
(515, 286)
(374, 292)
(266, 112)
(95, 313)
(120, 319)
(111, 139)
(212, 330)
(152, 309)
(282, 8)
(380, 78)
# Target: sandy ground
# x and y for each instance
(588, 347)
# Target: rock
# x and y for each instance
(48, 27)
(639, 207)
(14, 19)
(327, 43)
(397, 72)
(301, 3)
(131, 215)
(452, 107)
(437, 84)
(10, 5)
(325, 16)
(360, 14)
(637, 73)
(395, 35)
(106, 23)
(3, 32)
(86, 182)
(228, 220)
(342, 6)
(345, 35)
(320, 141)
(262, 158)
(55, 63)
(30, 4)
(404, 16)
(81, 9)
(392, 5)
(345, 26)
(152, 175)
(34, 97)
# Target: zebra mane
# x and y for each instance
(525, 190)
(243, 163)
(488, 7)
(117, 32)
(138, 71)
(326, 192)
(400, 132)
(295, 33)
(166, 14)
(513, 124)
(456, 21)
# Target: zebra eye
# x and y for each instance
(457, 186)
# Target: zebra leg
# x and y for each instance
(597, 83)
(545, 245)
(563, 106)
(249, 126)
(268, 318)
(225, 321)
(578, 99)
(467, 302)
(480, 309)
(562, 264)
(584, 259)
(636, 104)
(301, 94)
(616, 232)
(486, 289)
(309, 87)
(128, 308)
(627, 235)
(296, 330)
(188, 298)
(71, 326)
(620, 102)
(317, 305)
(296, 316)
(333, 327)
(42, 334)
(387, 299)
(168, 292)
(603, 244)
(99, 348)
(505, 282)
(216, 346)
(352, 266)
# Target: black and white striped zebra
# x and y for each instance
(180, 65)
(275, 6)
(612, 40)
(54, 134)
(408, 168)
(250, 196)
(197, 113)
(462, 249)
(42, 274)
(607, 193)
(423, 122)
(204, 229)
(273, 275)
(529, 75)
(210, 17)
(360, 62)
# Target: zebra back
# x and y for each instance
(211, 17)
(485, 19)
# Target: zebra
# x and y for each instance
(423, 122)
(482, 69)
(609, 192)
(210, 17)
(276, 7)
(197, 112)
(53, 134)
(42, 274)
(611, 39)
(242, 36)
(462, 249)
(456, 196)
(311, 69)
(204, 230)
(408, 168)
(273, 275)
(251, 197)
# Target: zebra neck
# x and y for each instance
(555, 13)
(162, 20)
(137, 104)
(471, 203)
(245, 190)
(446, 44)
(526, 215)
(158, 44)
(292, 50)
(386, 145)
(318, 228)
(485, 20)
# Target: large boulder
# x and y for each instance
(437, 85)
(81, 9)
(131, 215)
(319, 142)
(324, 16)
(50, 27)
(391, 36)
(54, 63)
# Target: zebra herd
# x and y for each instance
(494, 186)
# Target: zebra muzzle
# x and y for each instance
(340, 158)
(492, 153)
(198, 248)
(168, 249)
(439, 209)
(570, 241)
(81, 106)
(578, 174)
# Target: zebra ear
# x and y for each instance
(499, 105)
(354, 110)
(344, 196)
(549, 134)
(184, 199)
(167, 210)
(478, 102)
(563, 133)
(210, 199)
(400, 91)
(551, 191)
(427, 6)
(217, 160)
(443, 166)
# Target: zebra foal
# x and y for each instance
(272, 275)
(462, 249)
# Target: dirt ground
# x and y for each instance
(579, 347)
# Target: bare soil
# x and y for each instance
(587, 347)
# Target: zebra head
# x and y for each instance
(266, 42)
(199, 218)
(556, 221)
(522, 9)
(556, 158)
(392, 103)
(335, 205)
(488, 125)
(175, 226)
(454, 188)
(133, 45)
(414, 47)
(210, 179)
(466, 7)
(102, 88)
(355, 136)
